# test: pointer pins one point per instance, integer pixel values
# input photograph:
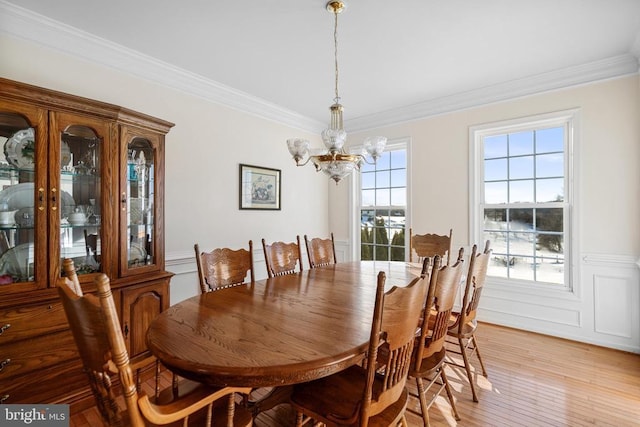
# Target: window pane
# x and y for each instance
(495, 169)
(399, 178)
(383, 179)
(382, 230)
(495, 219)
(522, 268)
(521, 167)
(549, 165)
(398, 196)
(367, 216)
(549, 219)
(495, 146)
(366, 252)
(384, 161)
(520, 143)
(383, 197)
(495, 192)
(399, 159)
(550, 140)
(521, 219)
(550, 190)
(366, 167)
(368, 197)
(368, 180)
(521, 191)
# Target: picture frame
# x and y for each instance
(259, 188)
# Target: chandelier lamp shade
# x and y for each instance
(335, 160)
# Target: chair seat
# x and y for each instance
(340, 394)
(468, 329)
(429, 364)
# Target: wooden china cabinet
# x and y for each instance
(79, 179)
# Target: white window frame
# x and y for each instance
(356, 203)
(570, 119)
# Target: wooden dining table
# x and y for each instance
(278, 331)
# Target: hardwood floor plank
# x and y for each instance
(533, 380)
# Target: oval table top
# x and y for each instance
(278, 331)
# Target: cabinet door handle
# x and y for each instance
(123, 201)
(4, 328)
(4, 363)
(41, 199)
(126, 330)
(54, 199)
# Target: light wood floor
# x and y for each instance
(534, 380)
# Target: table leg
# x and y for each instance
(276, 396)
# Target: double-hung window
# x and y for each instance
(383, 205)
(522, 197)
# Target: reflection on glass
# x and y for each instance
(17, 220)
(80, 198)
(140, 202)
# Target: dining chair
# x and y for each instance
(281, 258)
(320, 251)
(463, 324)
(429, 245)
(428, 365)
(69, 271)
(374, 392)
(95, 326)
(223, 267)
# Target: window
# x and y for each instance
(383, 206)
(522, 187)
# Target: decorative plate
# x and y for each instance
(20, 149)
(18, 262)
(65, 154)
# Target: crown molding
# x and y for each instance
(25, 24)
(572, 76)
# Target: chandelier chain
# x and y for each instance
(335, 54)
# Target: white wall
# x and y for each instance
(203, 152)
(606, 304)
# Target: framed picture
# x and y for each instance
(259, 188)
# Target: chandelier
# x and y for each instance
(335, 160)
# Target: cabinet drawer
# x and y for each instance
(20, 323)
(22, 357)
(46, 385)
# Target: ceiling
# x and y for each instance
(399, 57)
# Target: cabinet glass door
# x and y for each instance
(140, 196)
(17, 199)
(80, 198)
